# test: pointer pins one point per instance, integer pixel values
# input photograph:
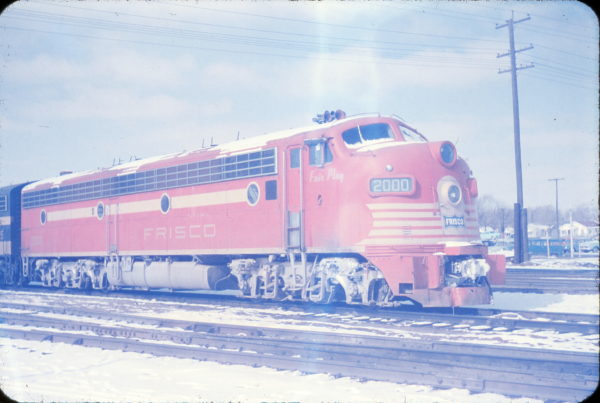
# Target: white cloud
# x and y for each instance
(111, 103)
(135, 68)
(118, 103)
(227, 75)
(117, 66)
(40, 69)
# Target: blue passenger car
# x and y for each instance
(10, 237)
(543, 246)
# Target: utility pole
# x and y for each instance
(520, 241)
(556, 204)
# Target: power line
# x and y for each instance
(259, 41)
(564, 52)
(558, 34)
(444, 13)
(558, 80)
(453, 13)
(413, 50)
(318, 23)
(320, 38)
(563, 72)
(566, 67)
(486, 5)
(434, 61)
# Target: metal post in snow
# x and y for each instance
(571, 232)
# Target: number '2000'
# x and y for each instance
(391, 185)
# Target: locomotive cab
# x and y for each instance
(408, 207)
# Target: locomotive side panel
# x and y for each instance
(63, 230)
(213, 219)
(179, 207)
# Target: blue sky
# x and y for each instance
(87, 83)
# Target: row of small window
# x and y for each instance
(248, 165)
(252, 195)
(3, 203)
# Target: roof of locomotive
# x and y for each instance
(223, 150)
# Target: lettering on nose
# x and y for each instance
(454, 221)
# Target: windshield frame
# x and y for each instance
(414, 135)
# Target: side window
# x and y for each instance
(319, 154)
(3, 203)
(271, 190)
(295, 158)
(328, 153)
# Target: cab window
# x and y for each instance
(319, 154)
(364, 134)
(295, 158)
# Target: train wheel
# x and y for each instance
(259, 287)
(104, 284)
(56, 280)
(86, 283)
(318, 291)
(379, 292)
(274, 290)
(23, 281)
(338, 294)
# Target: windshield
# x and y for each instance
(360, 135)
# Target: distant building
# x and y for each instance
(538, 231)
(593, 228)
(579, 230)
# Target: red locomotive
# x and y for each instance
(358, 209)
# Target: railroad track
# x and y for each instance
(550, 281)
(407, 316)
(480, 368)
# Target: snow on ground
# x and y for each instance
(580, 260)
(44, 371)
(564, 263)
(566, 303)
(61, 372)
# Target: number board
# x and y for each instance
(392, 185)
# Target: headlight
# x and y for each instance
(447, 153)
(444, 152)
(454, 194)
(449, 190)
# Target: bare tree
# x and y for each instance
(493, 213)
